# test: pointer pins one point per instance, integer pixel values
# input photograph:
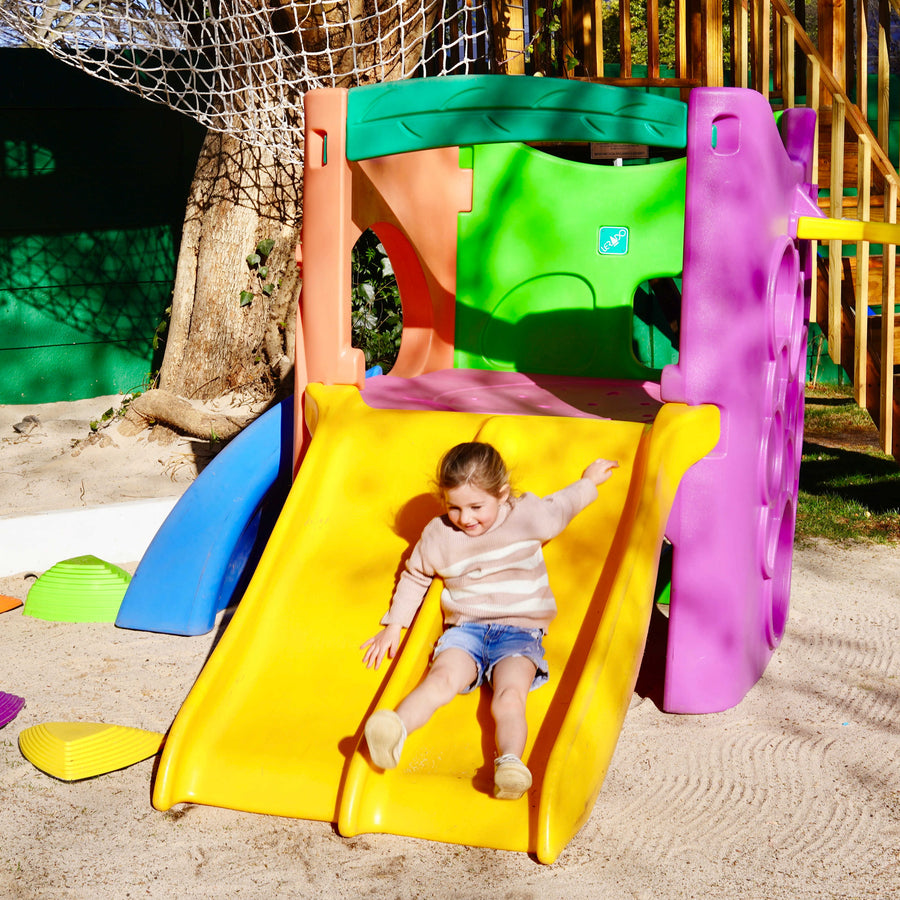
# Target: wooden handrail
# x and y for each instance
(855, 119)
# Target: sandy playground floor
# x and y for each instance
(793, 794)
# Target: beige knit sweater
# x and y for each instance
(496, 577)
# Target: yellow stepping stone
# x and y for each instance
(75, 750)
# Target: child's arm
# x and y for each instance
(411, 589)
(600, 470)
(383, 644)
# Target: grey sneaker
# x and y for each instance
(511, 777)
(385, 734)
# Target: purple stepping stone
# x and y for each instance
(10, 705)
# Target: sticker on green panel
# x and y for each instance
(613, 240)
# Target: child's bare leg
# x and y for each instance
(512, 680)
(453, 670)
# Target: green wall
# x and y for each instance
(93, 184)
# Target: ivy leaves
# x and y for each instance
(258, 263)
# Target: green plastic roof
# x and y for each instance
(419, 114)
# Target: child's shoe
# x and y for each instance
(385, 734)
(511, 777)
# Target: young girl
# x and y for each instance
(496, 601)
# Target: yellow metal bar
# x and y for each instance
(816, 229)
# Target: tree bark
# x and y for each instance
(240, 195)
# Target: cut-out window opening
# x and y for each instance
(376, 314)
(655, 323)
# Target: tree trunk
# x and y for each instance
(240, 196)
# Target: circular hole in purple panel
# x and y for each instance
(774, 458)
(791, 467)
(782, 378)
(770, 376)
(783, 285)
(798, 335)
(793, 408)
(782, 549)
(762, 475)
(763, 526)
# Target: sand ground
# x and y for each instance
(795, 793)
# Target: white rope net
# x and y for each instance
(242, 66)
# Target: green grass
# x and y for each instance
(848, 492)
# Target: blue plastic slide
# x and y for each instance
(207, 548)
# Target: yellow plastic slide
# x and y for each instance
(274, 722)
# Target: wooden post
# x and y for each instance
(787, 63)
(682, 48)
(835, 246)
(833, 39)
(884, 68)
(888, 294)
(777, 71)
(739, 40)
(653, 38)
(694, 30)
(760, 37)
(624, 39)
(861, 326)
(713, 54)
(862, 58)
(593, 38)
(813, 101)
(509, 36)
(567, 35)
(813, 78)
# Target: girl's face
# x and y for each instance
(472, 510)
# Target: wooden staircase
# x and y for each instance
(864, 351)
(873, 367)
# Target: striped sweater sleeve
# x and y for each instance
(414, 582)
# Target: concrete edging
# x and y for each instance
(114, 532)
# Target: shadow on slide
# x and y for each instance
(274, 722)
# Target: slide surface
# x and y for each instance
(274, 723)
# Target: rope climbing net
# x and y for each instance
(240, 66)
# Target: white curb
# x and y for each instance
(115, 532)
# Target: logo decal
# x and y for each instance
(613, 240)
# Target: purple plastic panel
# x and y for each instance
(745, 304)
(10, 706)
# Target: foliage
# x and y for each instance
(160, 331)
(376, 315)
(666, 25)
(258, 263)
(638, 8)
(114, 414)
(556, 57)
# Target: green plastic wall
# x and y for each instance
(93, 184)
(551, 259)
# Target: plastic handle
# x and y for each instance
(815, 229)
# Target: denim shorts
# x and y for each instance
(487, 644)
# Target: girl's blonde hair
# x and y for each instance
(473, 463)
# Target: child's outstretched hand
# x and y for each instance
(600, 470)
(384, 644)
